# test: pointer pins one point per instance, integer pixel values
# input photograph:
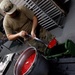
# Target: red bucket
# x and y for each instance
(31, 63)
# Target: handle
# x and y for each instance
(37, 39)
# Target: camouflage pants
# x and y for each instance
(45, 36)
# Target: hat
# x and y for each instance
(7, 6)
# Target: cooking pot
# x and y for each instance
(30, 62)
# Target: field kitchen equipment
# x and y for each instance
(31, 63)
(67, 48)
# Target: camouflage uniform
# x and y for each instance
(45, 36)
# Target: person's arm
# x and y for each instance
(12, 37)
(33, 18)
(15, 36)
(8, 28)
(34, 25)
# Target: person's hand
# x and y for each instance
(22, 33)
(33, 34)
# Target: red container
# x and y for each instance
(31, 63)
(52, 43)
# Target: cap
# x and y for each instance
(7, 6)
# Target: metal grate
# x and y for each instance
(50, 8)
(43, 19)
(48, 12)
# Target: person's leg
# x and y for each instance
(45, 35)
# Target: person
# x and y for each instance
(20, 21)
(17, 19)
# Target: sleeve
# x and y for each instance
(28, 12)
(7, 28)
